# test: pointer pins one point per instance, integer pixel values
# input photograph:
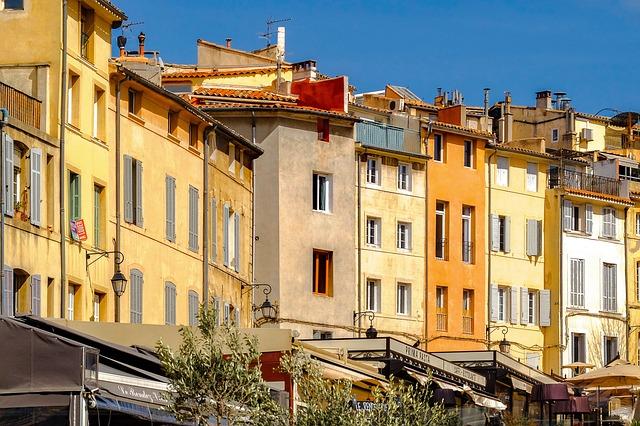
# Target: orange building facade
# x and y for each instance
(456, 293)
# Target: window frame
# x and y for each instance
(441, 216)
(468, 156)
(373, 172)
(531, 179)
(532, 306)
(502, 173)
(404, 184)
(373, 232)
(319, 203)
(326, 257)
(403, 309)
(555, 135)
(374, 303)
(503, 304)
(438, 148)
(467, 227)
(403, 228)
(14, 7)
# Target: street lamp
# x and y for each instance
(504, 345)
(371, 332)
(118, 281)
(267, 310)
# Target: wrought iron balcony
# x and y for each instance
(21, 106)
(383, 136)
(569, 179)
(467, 324)
(441, 322)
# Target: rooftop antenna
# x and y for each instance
(128, 25)
(269, 34)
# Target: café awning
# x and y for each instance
(484, 401)
(521, 385)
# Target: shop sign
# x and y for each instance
(78, 231)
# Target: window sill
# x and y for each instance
(405, 191)
(608, 238)
(136, 118)
(404, 250)
(577, 308)
(173, 138)
(616, 313)
(322, 295)
(373, 246)
(321, 211)
(194, 149)
(442, 258)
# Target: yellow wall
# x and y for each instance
(245, 80)
(633, 301)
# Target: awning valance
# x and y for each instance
(484, 401)
(521, 385)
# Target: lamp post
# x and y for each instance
(4, 119)
(371, 332)
(268, 311)
(504, 345)
(118, 281)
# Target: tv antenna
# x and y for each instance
(125, 27)
(269, 34)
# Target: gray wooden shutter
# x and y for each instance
(214, 229)
(589, 219)
(514, 305)
(495, 232)
(532, 237)
(35, 185)
(139, 216)
(7, 292)
(524, 305)
(128, 189)
(236, 319)
(507, 234)
(545, 308)
(236, 244)
(568, 215)
(494, 302)
(613, 223)
(166, 304)
(539, 232)
(193, 308)
(170, 204)
(193, 218)
(35, 295)
(8, 175)
(225, 235)
(216, 308)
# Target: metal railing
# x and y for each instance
(21, 106)
(467, 252)
(441, 322)
(587, 182)
(441, 249)
(467, 324)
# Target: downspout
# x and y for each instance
(560, 281)
(426, 237)
(253, 208)
(626, 280)
(209, 132)
(61, 177)
(489, 238)
(116, 266)
(359, 213)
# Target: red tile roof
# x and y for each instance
(262, 95)
(272, 106)
(599, 196)
(445, 126)
(176, 73)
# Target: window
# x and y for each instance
(97, 129)
(609, 287)
(555, 135)
(532, 298)
(135, 297)
(323, 129)
(441, 233)
(71, 301)
(169, 303)
(503, 304)
(231, 241)
(534, 237)
(638, 282)
(502, 171)
(373, 231)
(13, 4)
(9, 188)
(404, 299)
(135, 102)
(133, 191)
(500, 233)
(440, 297)
(608, 222)
(322, 335)
(373, 170)
(97, 303)
(322, 272)
(532, 177)
(17, 177)
(226, 317)
(467, 242)
(193, 136)
(577, 282)
(7, 292)
(86, 31)
(193, 219)
(36, 295)
(467, 311)
(98, 212)
(194, 305)
(468, 154)
(74, 196)
(213, 214)
(373, 295)
(236, 241)
(172, 122)
(73, 100)
(321, 192)
(438, 148)
(170, 208)
(637, 224)
(578, 347)
(404, 176)
(404, 236)
(441, 309)
(35, 186)
(610, 349)
(578, 218)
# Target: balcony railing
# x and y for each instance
(467, 325)
(586, 182)
(441, 322)
(467, 252)
(383, 136)
(21, 106)
(441, 249)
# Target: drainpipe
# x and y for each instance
(209, 133)
(489, 237)
(359, 212)
(426, 238)
(626, 281)
(561, 289)
(254, 237)
(4, 117)
(61, 178)
(116, 266)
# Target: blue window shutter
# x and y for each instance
(139, 218)
(35, 185)
(128, 189)
(35, 295)
(236, 243)
(225, 235)
(8, 175)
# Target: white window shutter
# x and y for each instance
(139, 218)
(532, 234)
(225, 235)
(35, 185)
(35, 294)
(524, 305)
(613, 223)
(567, 215)
(128, 189)
(236, 244)
(589, 219)
(8, 175)
(507, 234)
(545, 308)
(494, 302)
(514, 305)
(495, 232)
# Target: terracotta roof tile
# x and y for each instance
(274, 106)
(598, 195)
(263, 95)
(216, 72)
(441, 125)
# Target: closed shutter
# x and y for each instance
(532, 236)
(507, 234)
(136, 295)
(193, 218)
(494, 302)
(8, 175)
(225, 235)
(589, 219)
(216, 309)
(214, 230)
(524, 305)
(7, 292)
(36, 184)
(495, 232)
(128, 189)
(193, 308)
(568, 215)
(169, 303)
(170, 205)
(227, 313)
(613, 223)
(539, 232)
(236, 244)
(545, 308)
(139, 217)
(236, 319)
(514, 305)
(35, 295)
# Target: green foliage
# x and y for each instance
(216, 373)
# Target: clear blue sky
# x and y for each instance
(587, 48)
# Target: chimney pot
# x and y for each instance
(228, 44)
(141, 39)
(122, 42)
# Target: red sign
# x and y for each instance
(78, 231)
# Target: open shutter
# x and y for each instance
(539, 233)
(494, 302)
(8, 175)
(589, 219)
(193, 218)
(139, 218)
(36, 179)
(568, 216)
(495, 232)
(236, 244)
(545, 308)
(214, 229)
(524, 305)
(225, 235)
(35, 295)
(216, 309)
(128, 189)
(7, 292)
(514, 305)
(170, 205)
(613, 223)
(532, 234)
(507, 234)
(236, 319)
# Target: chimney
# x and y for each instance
(280, 45)
(141, 38)
(508, 118)
(543, 99)
(228, 44)
(439, 99)
(485, 110)
(122, 42)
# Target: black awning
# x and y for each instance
(138, 409)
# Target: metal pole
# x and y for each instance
(205, 213)
(63, 119)
(116, 265)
